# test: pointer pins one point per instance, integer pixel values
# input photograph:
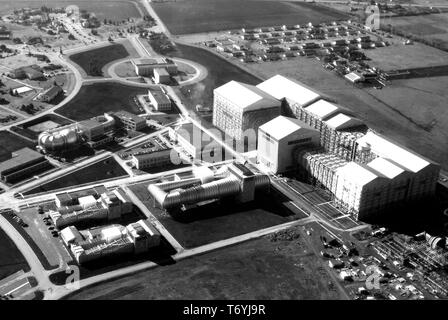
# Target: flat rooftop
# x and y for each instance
(19, 158)
(159, 96)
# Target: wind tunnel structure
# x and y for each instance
(58, 139)
(237, 180)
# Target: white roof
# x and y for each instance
(281, 87)
(385, 167)
(353, 77)
(389, 150)
(356, 174)
(280, 127)
(111, 233)
(343, 121)
(322, 109)
(245, 96)
(87, 200)
(22, 89)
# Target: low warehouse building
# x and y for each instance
(151, 159)
(23, 163)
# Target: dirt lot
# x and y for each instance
(259, 269)
(192, 16)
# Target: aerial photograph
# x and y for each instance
(223, 150)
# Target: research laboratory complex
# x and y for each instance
(299, 130)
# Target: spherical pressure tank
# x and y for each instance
(59, 140)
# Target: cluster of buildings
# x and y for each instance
(107, 205)
(22, 164)
(5, 33)
(112, 240)
(94, 132)
(321, 141)
(160, 69)
(32, 72)
(96, 205)
(282, 42)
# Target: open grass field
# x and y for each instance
(33, 128)
(220, 72)
(254, 270)
(432, 27)
(11, 259)
(219, 220)
(399, 56)
(10, 142)
(194, 16)
(98, 98)
(93, 61)
(109, 9)
(104, 169)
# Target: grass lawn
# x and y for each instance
(255, 270)
(10, 142)
(93, 61)
(11, 259)
(33, 128)
(104, 169)
(195, 16)
(98, 98)
(219, 220)
(220, 72)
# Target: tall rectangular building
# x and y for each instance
(279, 138)
(238, 107)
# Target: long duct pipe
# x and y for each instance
(215, 189)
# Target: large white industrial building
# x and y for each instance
(238, 107)
(366, 173)
(277, 140)
(293, 92)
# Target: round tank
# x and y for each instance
(58, 140)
